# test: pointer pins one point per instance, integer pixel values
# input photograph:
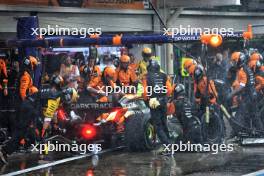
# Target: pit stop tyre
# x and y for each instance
(139, 133)
(175, 128)
(214, 131)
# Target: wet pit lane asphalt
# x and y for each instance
(242, 160)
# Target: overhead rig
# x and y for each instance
(117, 40)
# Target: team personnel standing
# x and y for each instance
(255, 64)
(3, 78)
(91, 72)
(70, 73)
(204, 89)
(125, 75)
(26, 82)
(244, 76)
(26, 117)
(143, 64)
(157, 88)
(244, 93)
(3, 82)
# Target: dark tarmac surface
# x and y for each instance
(241, 161)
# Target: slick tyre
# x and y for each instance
(139, 134)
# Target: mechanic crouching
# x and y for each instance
(156, 89)
(182, 109)
(52, 98)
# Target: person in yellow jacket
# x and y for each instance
(52, 98)
(143, 64)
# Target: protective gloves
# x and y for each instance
(154, 103)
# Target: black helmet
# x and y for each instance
(179, 90)
(198, 72)
(153, 66)
(56, 80)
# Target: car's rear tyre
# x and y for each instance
(139, 133)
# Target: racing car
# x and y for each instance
(125, 122)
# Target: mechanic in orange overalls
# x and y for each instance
(3, 83)
(125, 76)
(91, 72)
(201, 90)
(204, 89)
(3, 77)
(244, 93)
(190, 65)
(240, 82)
(255, 64)
(26, 82)
(98, 85)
